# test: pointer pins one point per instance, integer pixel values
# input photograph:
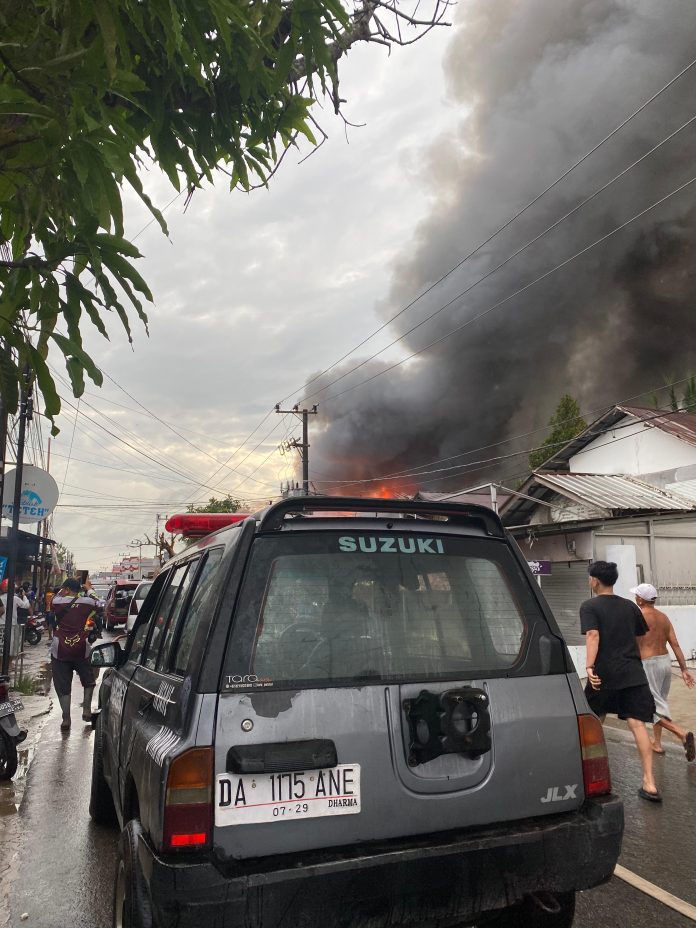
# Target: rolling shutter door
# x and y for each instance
(565, 589)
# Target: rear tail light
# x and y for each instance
(595, 758)
(4, 691)
(188, 809)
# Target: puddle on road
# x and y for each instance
(12, 791)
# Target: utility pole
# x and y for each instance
(7, 641)
(25, 415)
(158, 543)
(301, 446)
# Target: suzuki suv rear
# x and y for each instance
(357, 712)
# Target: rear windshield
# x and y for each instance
(333, 608)
(123, 595)
(142, 591)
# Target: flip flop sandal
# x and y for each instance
(651, 797)
(655, 751)
(690, 747)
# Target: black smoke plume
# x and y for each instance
(539, 84)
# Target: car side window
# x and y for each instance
(200, 604)
(165, 606)
(175, 612)
(142, 624)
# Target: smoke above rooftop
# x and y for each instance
(538, 85)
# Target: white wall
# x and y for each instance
(569, 546)
(641, 450)
(683, 618)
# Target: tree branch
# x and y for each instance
(34, 91)
(358, 32)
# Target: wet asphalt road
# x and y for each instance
(61, 873)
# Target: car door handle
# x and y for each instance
(145, 704)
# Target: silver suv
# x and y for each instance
(352, 712)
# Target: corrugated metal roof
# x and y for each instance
(680, 424)
(686, 489)
(613, 493)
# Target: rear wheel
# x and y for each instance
(32, 635)
(131, 901)
(529, 914)
(101, 802)
(8, 756)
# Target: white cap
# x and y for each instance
(646, 591)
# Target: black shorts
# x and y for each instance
(62, 674)
(634, 702)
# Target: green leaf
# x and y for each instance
(116, 243)
(45, 382)
(122, 268)
(109, 34)
(72, 350)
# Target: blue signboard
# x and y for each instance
(3, 568)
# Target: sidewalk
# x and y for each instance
(32, 717)
(36, 665)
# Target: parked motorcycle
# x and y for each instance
(10, 733)
(94, 631)
(33, 630)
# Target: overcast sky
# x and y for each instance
(252, 294)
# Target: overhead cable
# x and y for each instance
(505, 225)
(517, 292)
(502, 264)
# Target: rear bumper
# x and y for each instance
(427, 881)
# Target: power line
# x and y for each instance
(249, 436)
(511, 296)
(506, 225)
(418, 470)
(137, 412)
(184, 474)
(506, 261)
(171, 427)
(72, 439)
(187, 479)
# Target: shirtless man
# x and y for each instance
(658, 667)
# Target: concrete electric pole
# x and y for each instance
(301, 446)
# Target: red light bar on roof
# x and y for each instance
(199, 524)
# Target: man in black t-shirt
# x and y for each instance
(616, 681)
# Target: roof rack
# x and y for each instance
(272, 518)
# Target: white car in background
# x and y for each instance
(136, 602)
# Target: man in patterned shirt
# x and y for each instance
(70, 648)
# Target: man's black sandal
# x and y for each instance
(651, 797)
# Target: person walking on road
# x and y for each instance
(657, 664)
(48, 610)
(616, 681)
(70, 648)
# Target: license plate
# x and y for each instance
(286, 797)
(8, 708)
